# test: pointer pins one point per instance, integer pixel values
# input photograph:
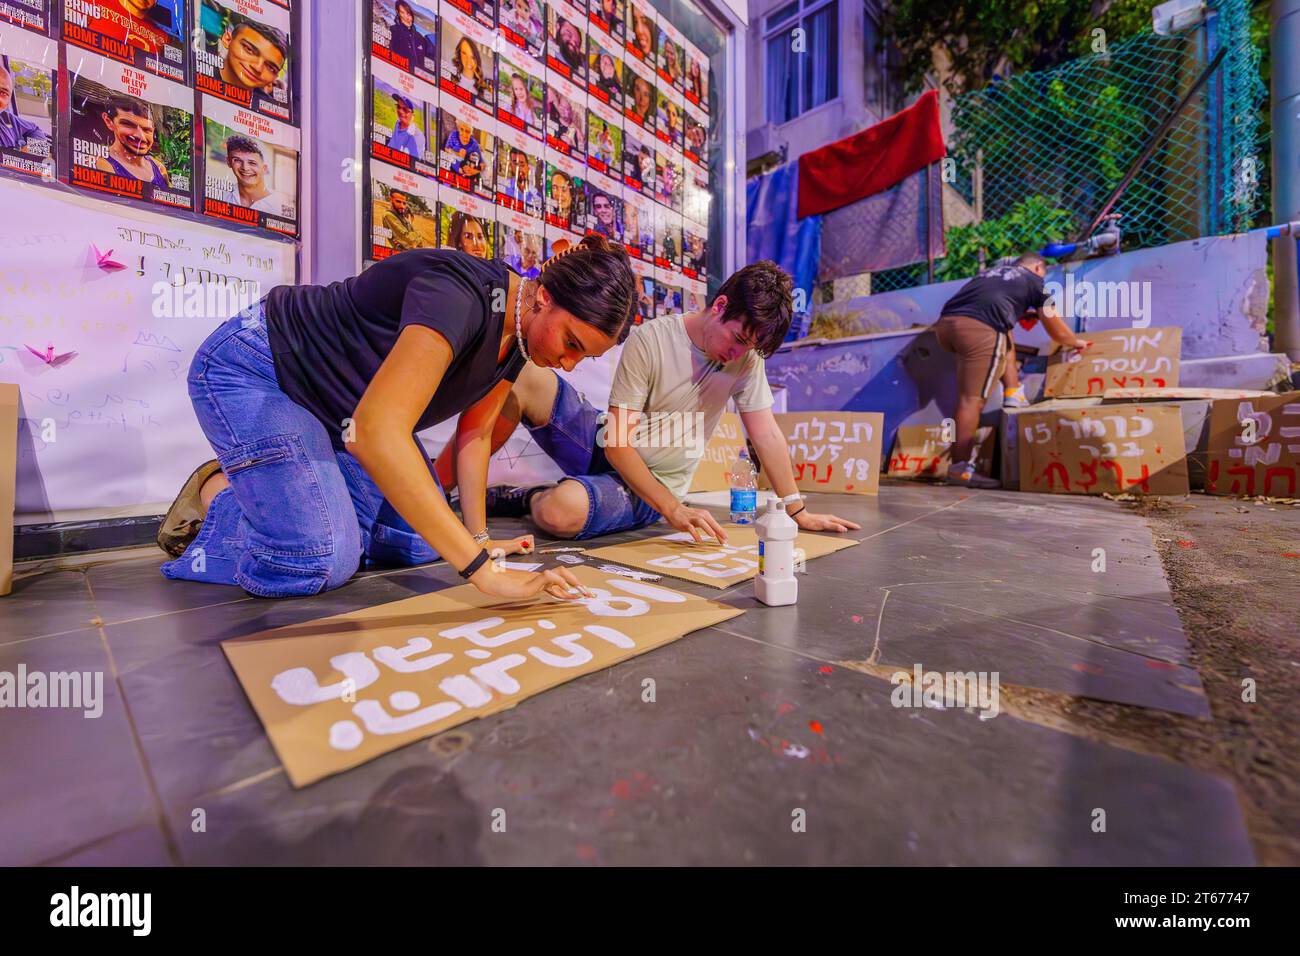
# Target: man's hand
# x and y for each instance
(1082, 344)
(695, 521)
(808, 521)
(520, 545)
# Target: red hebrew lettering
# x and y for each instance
(1160, 382)
(1142, 479)
(1060, 469)
(1090, 469)
(1287, 474)
(829, 469)
(933, 467)
(1249, 475)
(1212, 478)
(1101, 385)
(801, 466)
(1119, 473)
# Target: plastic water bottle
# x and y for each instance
(744, 489)
(776, 583)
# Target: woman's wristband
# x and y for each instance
(798, 510)
(474, 565)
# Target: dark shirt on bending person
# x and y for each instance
(999, 296)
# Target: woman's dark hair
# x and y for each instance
(456, 229)
(594, 281)
(759, 297)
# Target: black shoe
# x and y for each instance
(510, 501)
(185, 517)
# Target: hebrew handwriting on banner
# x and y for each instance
(711, 564)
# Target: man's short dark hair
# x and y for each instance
(242, 144)
(270, 34)
(759, 297)
(1031, 260)
(127, 104)
(395, 192)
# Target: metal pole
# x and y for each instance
(929, 226)
(1285, 40)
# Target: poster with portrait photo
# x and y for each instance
(604, 72)
(403, 212)
(250, 169)
(644, 272)
(31, 15)
(520, 175)
(483, 12)
(670, 113)
(697, 76)
(606, 17)
(566, 41)
(466, 223)
(604, 139)
(642, 33)
(131, 133)
(638, 225)
(639, 96)
(638, 161)
(668, 239)
(566, 117)
(405, 34)
(671, 65)
(243, 54)
(695, 295)
(403, 119)
(520, 242)
(467, 65)
(521, 93)
(148, 34)
(466, 148)
(565, 192)
(523, 24)
(695, 139)
(669, 180)
(668, 293)
(28, 64)
(604, 202)
(694, 257)
(696, 196)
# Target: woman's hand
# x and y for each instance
(520, 545)
(506, 583)
(808, 521)
(695, 521)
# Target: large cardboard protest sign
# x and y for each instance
(1119, 358)
(1254, 446)
(708, 562)
(924, 451)
(836, 452)
(337, 692)
(1117, 449)
(712, 473)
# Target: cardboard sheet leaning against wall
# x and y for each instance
(712, 473)
(833, 452)
(1254, 446)
(921, 452)
(708, 562)
(1120, 358)
(340, 691)
(1118, 449)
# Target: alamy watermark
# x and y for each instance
(1085, 298)
(656, 430)
(969, 690)
(182, 299)
(78, 690)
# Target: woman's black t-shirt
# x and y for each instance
(329, 341)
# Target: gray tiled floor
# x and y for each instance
(753, 721)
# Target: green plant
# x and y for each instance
(174, 143)
(1028, 225)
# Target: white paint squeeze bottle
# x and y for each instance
(776, 584)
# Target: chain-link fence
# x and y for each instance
(1036, 156)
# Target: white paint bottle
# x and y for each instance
(776, 584)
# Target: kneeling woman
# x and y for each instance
(311, 400)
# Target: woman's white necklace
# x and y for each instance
(519, 317)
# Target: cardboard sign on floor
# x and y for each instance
(1119, 358)
(1254, 447)
(728, 439)
(1115, 449)
(337, 692)
(708, 562)
(834, 452)
(8, 471)
(921, 452)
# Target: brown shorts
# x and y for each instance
(981, 352)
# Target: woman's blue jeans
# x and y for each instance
(301, 515)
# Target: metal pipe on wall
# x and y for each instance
(1285, 99)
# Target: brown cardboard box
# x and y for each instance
(920, 452)
(1118, 358)
(833, 452)
(1116, 449)
(8, 472)
(1254, 447)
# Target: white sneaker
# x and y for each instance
(1015, 398)
(964, 473)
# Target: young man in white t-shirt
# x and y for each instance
(626, 469)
